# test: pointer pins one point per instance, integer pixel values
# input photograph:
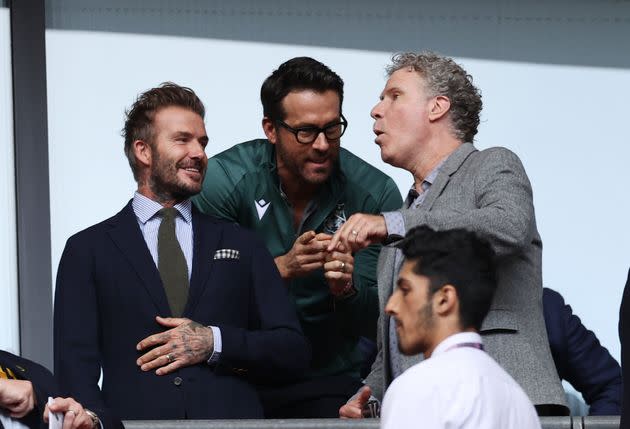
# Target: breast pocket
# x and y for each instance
(499, 320)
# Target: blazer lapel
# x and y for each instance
(126, 235)
(452, 164)
(206, 238)
(389, 267)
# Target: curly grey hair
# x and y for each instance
(443, 76)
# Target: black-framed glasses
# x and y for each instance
(307, 135)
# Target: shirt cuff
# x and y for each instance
(216, 352)
(395, 223)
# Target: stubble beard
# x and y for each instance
(426, 323)
(298, 171)
(165, 184)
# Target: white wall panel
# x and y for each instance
(9, 334)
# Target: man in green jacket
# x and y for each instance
(295, 189)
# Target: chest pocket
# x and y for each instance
(499, 320)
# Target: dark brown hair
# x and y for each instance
(139, 118)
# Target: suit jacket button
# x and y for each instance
(177, 381)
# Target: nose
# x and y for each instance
(321, 143)
(377, 111)
(390, 308)
(198, 150)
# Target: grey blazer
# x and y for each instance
(489, 193)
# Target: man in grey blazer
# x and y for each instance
(425, 123)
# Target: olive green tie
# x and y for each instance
(172, 263)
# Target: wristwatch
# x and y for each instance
(96, 422)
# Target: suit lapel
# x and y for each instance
(452, 164)
(206, 238)
(389, 266)
(126, 235)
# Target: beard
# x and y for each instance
(424, 325)
(165, 183)
(295, 163)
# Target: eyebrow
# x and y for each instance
(338, 120)
(401, 282)
(182, 134)
(392, 89)
(186, 134)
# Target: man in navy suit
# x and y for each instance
(624, 339)
(180, 311)
(580, 358)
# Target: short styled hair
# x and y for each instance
(459, 258)
(445, 77)
(139, 118)
(297, 74)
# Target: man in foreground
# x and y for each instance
(295, 190)
(444, 291)
(25, 387)
(425, 123)
(180, 311)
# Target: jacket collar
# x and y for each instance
(126, 235)
(450, 166)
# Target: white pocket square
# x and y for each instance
(227, 254)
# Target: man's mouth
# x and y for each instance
(378, 134)
(194, 170)
(319, 161)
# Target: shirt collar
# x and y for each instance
(459, 338)
(145, 208)
(428, 181)
(433, 174)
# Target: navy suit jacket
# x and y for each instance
(109, 292)
(44, 384)
(624, 339)
(580, 358)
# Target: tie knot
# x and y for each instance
(168, 213)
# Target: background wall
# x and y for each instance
(9, 338)
(555, 77)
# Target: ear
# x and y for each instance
(446, 301)
(439, 107)
(142, 152)
(270, 130)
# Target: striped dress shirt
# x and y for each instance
(149, 221)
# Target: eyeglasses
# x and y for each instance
(307, 135)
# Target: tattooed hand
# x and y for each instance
(187, 343)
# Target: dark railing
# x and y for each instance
(598, 422)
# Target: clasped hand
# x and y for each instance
(356, 407)
(359, 231)
(18, 398)
(310, 252)
(186, 343)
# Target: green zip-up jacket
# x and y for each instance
(242, 185)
